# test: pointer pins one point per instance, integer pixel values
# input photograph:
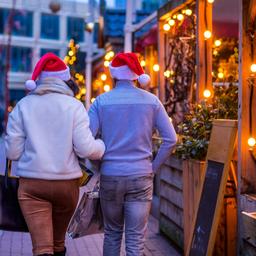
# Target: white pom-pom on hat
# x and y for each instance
(144, 79)
(30, 85)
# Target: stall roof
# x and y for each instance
(225, 23)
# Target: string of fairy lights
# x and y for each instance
(251, 80)
(180, 17)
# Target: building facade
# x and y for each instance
(35, 30)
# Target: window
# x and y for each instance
(50, 26)
(75, 29)
(21, 59)
(44, 51)
(21, 24)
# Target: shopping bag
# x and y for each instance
(11, 217)
(87, 219)
(86, 172)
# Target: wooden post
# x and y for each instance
(161, 58)
(246, 164)
(204, 49)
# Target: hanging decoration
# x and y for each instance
(180, 61)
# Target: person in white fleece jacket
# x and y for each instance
(46, 131)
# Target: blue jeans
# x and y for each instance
(125, 201)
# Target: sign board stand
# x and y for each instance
(219, 156)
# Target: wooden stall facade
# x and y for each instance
(247, 128)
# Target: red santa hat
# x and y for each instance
(49, 65)
(126, 66)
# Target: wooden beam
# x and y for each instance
(252, 15)
(204, 49)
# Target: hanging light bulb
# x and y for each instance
(188, 12)
(171, 22)
(210, 1)
(251, 142)
(156, 67)
(143, 63)
(106, 88)
(167, 73)
(207, 34)
(103, 77)
(253, 68)
(217, 43)
(106, 63)
(180, 17)
(166, 27)
(111, 54)
(207, 93)
(220, 75)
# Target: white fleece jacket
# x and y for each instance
(47, 130)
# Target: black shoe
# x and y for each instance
(62, 253)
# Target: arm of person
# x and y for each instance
(94, 118)
(85, 145)
(168, 135)
(15, 135)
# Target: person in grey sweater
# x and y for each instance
(125, 119)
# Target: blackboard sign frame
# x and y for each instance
(221, 149)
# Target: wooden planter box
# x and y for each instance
(180, 183)
(171, 200)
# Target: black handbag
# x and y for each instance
(11, 217)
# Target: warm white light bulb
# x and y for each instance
(220, 75)
(166, 27)
(188, 12)
(253, 68)
(103, 77)
(210, 1)
(106, 63)
(207, 93)
(251, 142)
(207, 34)
(106, 88)
(217, 43)
(111, 54)
(171, 22)
(156, 67)
(143, 63)
(180, 17)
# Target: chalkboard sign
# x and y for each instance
(206, 210)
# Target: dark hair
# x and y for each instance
(73, 86)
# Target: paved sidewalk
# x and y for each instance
(19, 244)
